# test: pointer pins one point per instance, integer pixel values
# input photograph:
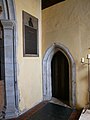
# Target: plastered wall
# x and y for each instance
(68, 23)
(29, 69)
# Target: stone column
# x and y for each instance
(10, 96)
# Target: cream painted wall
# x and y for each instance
(68, 23)
(29, 68)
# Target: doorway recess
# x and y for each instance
(47, 73)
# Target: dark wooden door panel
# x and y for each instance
(60, 77)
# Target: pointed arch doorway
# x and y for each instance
(54, 86)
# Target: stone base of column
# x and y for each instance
(11, 113)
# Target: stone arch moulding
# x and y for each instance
(47, 88)
(8, 21)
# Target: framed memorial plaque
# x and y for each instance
(30, 35)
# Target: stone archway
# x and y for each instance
(8, 21)
(47, 88)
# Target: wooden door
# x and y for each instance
(60, 77)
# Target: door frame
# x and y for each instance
(47, 88)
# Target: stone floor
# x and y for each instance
(74, 116)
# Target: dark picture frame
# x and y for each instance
(30, 35)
